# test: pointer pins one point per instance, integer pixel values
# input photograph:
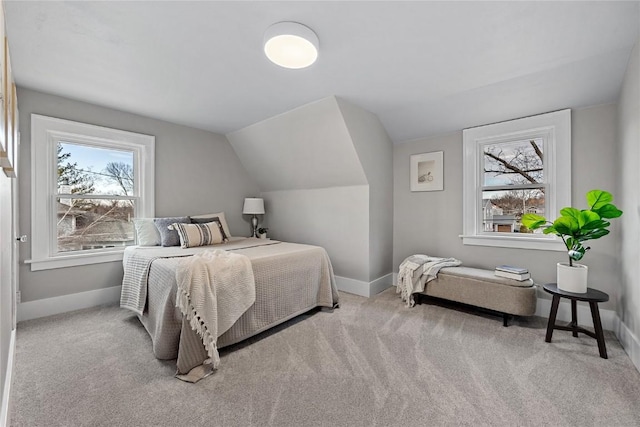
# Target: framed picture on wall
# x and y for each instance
(427, 171)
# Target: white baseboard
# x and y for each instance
(608, 318)
(629, 342)
(62, 304)
(362, 288)
(6, 391)
(380, 284)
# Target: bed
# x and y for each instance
(290, 279)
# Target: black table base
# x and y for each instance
(593, 297)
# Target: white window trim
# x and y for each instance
(556, 127)
(45, 133)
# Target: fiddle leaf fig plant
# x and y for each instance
(576, 226)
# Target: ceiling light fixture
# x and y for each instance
(291, 45)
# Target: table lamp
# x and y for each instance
(253, 206)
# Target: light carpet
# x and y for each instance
(373, 362)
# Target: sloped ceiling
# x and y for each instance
(271, 150)
(423, 68)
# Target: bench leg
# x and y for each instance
(505, 319)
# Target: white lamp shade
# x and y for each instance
(291, 45)
(253, 206)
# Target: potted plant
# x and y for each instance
(262, 232)
(576, 226)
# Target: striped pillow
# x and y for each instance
(205, 234)
(211, 219)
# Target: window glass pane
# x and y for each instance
(85, 169)
(514, 163)
(84, 224)
(502, 210)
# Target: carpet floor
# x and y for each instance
(372, 362)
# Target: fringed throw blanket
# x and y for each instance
(214, 289)
(418, 270)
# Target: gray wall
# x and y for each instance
(325, 171)
(430, 222)
(375, 151)
(629, 188)
(196, 172)
(334, 218)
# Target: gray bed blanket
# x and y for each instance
(137, 262)
(290, 279)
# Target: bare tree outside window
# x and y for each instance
(85, 221)
(121, 173)
(513, 184)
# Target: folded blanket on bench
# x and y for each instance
(416, 271)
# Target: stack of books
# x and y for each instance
(516, 273)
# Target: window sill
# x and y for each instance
(543, 244)
(74, 260)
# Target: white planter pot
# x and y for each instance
(572, 279)
(262, 236)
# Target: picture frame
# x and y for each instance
(427, 171)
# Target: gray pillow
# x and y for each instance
(169, 237)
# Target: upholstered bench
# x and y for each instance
(481, 288)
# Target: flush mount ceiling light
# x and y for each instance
(291, 45)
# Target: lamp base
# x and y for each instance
(254, 226)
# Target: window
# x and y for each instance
(512, 168)
(88, 184)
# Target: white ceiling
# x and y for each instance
(424, 68)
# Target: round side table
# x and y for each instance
(593, 297)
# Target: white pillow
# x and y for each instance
(220, 216)
(147, 232)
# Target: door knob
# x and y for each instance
(22, 238)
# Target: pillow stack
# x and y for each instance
(177, 231)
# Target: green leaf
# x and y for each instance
(533, 221)
(550, 229)
(595, 234)
(577, 253)
(593, 225)
(570, 212)
(598, 198)
(566, 225)
(586, 217)
(609, 211)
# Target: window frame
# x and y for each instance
(46, 132)
(555, 129)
